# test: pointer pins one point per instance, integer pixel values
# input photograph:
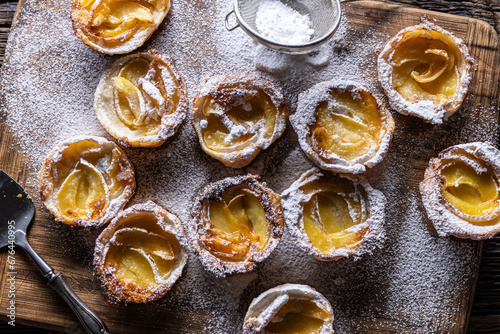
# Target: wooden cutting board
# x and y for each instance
(370, 311)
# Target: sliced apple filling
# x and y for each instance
(236, 116)
(139, 255)
(333, 208)
(83, 194)
(347, 126)
(142, 258)
(471, 190)
(141, 99)
(237, 126)
(238, 227)
(299, 316)
(427, 67)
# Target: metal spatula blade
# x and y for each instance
(16, 213)
(16, 207)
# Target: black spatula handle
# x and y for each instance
(89, 320)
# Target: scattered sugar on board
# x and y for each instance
(282, 24)
(48, 88)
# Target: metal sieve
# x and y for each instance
(324, 15)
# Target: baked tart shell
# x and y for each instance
(265, 233)
(110, 181)
(363, 235)
(127, 41)
(320, 108)
(296, 297)
(116, 288)
(171, 113)
(431, 111)
(477, 166)
(247, 115)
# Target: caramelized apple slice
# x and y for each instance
(83, 194)
(134, 268)
(131, 107)
(151, 243)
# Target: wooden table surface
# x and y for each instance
(485, 317)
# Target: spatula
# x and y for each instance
(16, 213)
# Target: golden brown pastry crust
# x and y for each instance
(476, 165)
(224, 252)
(160, 92)
(237, 116)
(268, 304)
(443, 58)
(361, 232)
(145, 222)
(80, 160)
(106, 27)
(329, 111)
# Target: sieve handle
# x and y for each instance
(228, 27)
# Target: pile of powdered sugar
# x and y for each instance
(282, 24)
(48, 85)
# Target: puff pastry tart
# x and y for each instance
(237, 116)
(236, 222)
(342, 127)
(334, 216)
(116, 27)
(140, 255)
(289, 308)
(425, 72)
(84, 181)
(141, 99)
(461, 191)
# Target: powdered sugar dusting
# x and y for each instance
(409, 286)
(282, 24)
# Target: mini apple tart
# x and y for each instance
(342, 127)
(236, 222)
(141, 99)
(289, 308)
(117, 27)
(140, 255)
(461, 191)
(425, 72)
(84, 181)
(237, 116)
(334, 216)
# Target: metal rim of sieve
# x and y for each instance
(292, 49)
